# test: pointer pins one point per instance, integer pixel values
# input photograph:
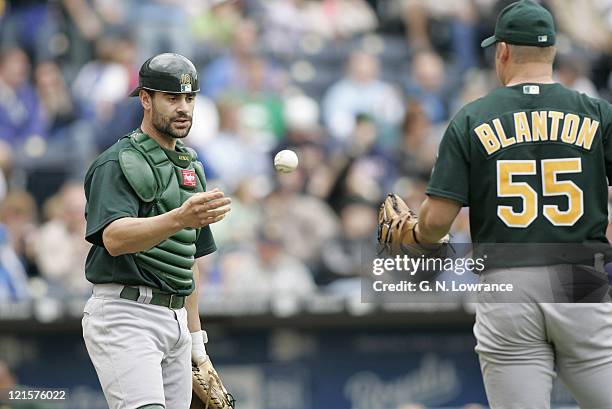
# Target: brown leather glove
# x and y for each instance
(208, 390)
(396, 230)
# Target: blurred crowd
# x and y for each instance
(360, 89)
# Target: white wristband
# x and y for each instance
(198, 350)
(199, 337)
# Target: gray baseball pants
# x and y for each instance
(522, 346)
(141, 352)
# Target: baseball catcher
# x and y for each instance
(148, 215)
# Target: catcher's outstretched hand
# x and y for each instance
(208, 390)
(396, 229)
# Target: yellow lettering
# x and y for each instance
(554, 125)
(505, 141)
(521, 127)
(587, 133)
(487, 138)
(570, 128)
(539, 126)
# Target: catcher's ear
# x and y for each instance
(145, 99)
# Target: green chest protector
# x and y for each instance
(165, 186)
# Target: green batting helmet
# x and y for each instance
(168, 72)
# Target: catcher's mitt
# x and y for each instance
(209, 389)
(396, 230)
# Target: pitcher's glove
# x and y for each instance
(396, 230)
(208, 388)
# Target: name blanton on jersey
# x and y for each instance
(538, 126)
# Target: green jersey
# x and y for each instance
(531, 161)
(110, 197)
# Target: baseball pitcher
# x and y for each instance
(533, 161)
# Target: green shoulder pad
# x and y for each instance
(138, 173)
(199, 170)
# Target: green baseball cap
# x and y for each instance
(523, 23)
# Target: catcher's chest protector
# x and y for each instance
(165, 185)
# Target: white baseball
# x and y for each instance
(285, 161)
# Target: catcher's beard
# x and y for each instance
(163, 124)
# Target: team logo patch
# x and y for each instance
(185, 83)
(189, 177)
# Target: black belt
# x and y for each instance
(171, 301)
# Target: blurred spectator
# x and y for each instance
(159, 26)
(272, 272)
(341, 18)
(85, 18)
(19, 214)
(240, 227)
(261, 112)
(13, 277)
(21, 116)
(588, 23)
(307, 137)
(106, 80)
(31, 25)
(477, 84)
(301, 116)
(215, 25)
(285, 274)
(56, 99)
(363, 171)
(418, 144)
(205, 122)
(230, 157)
(342, 256)
(314, 160)
(366, 178)
(101, 88)
(426, 20)
(60, 250)
(304, 223)
(286, 22)
(69, 141)
(113, 13)
(231, 71)
(360, 92)
(572, 71)
(428, 85)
